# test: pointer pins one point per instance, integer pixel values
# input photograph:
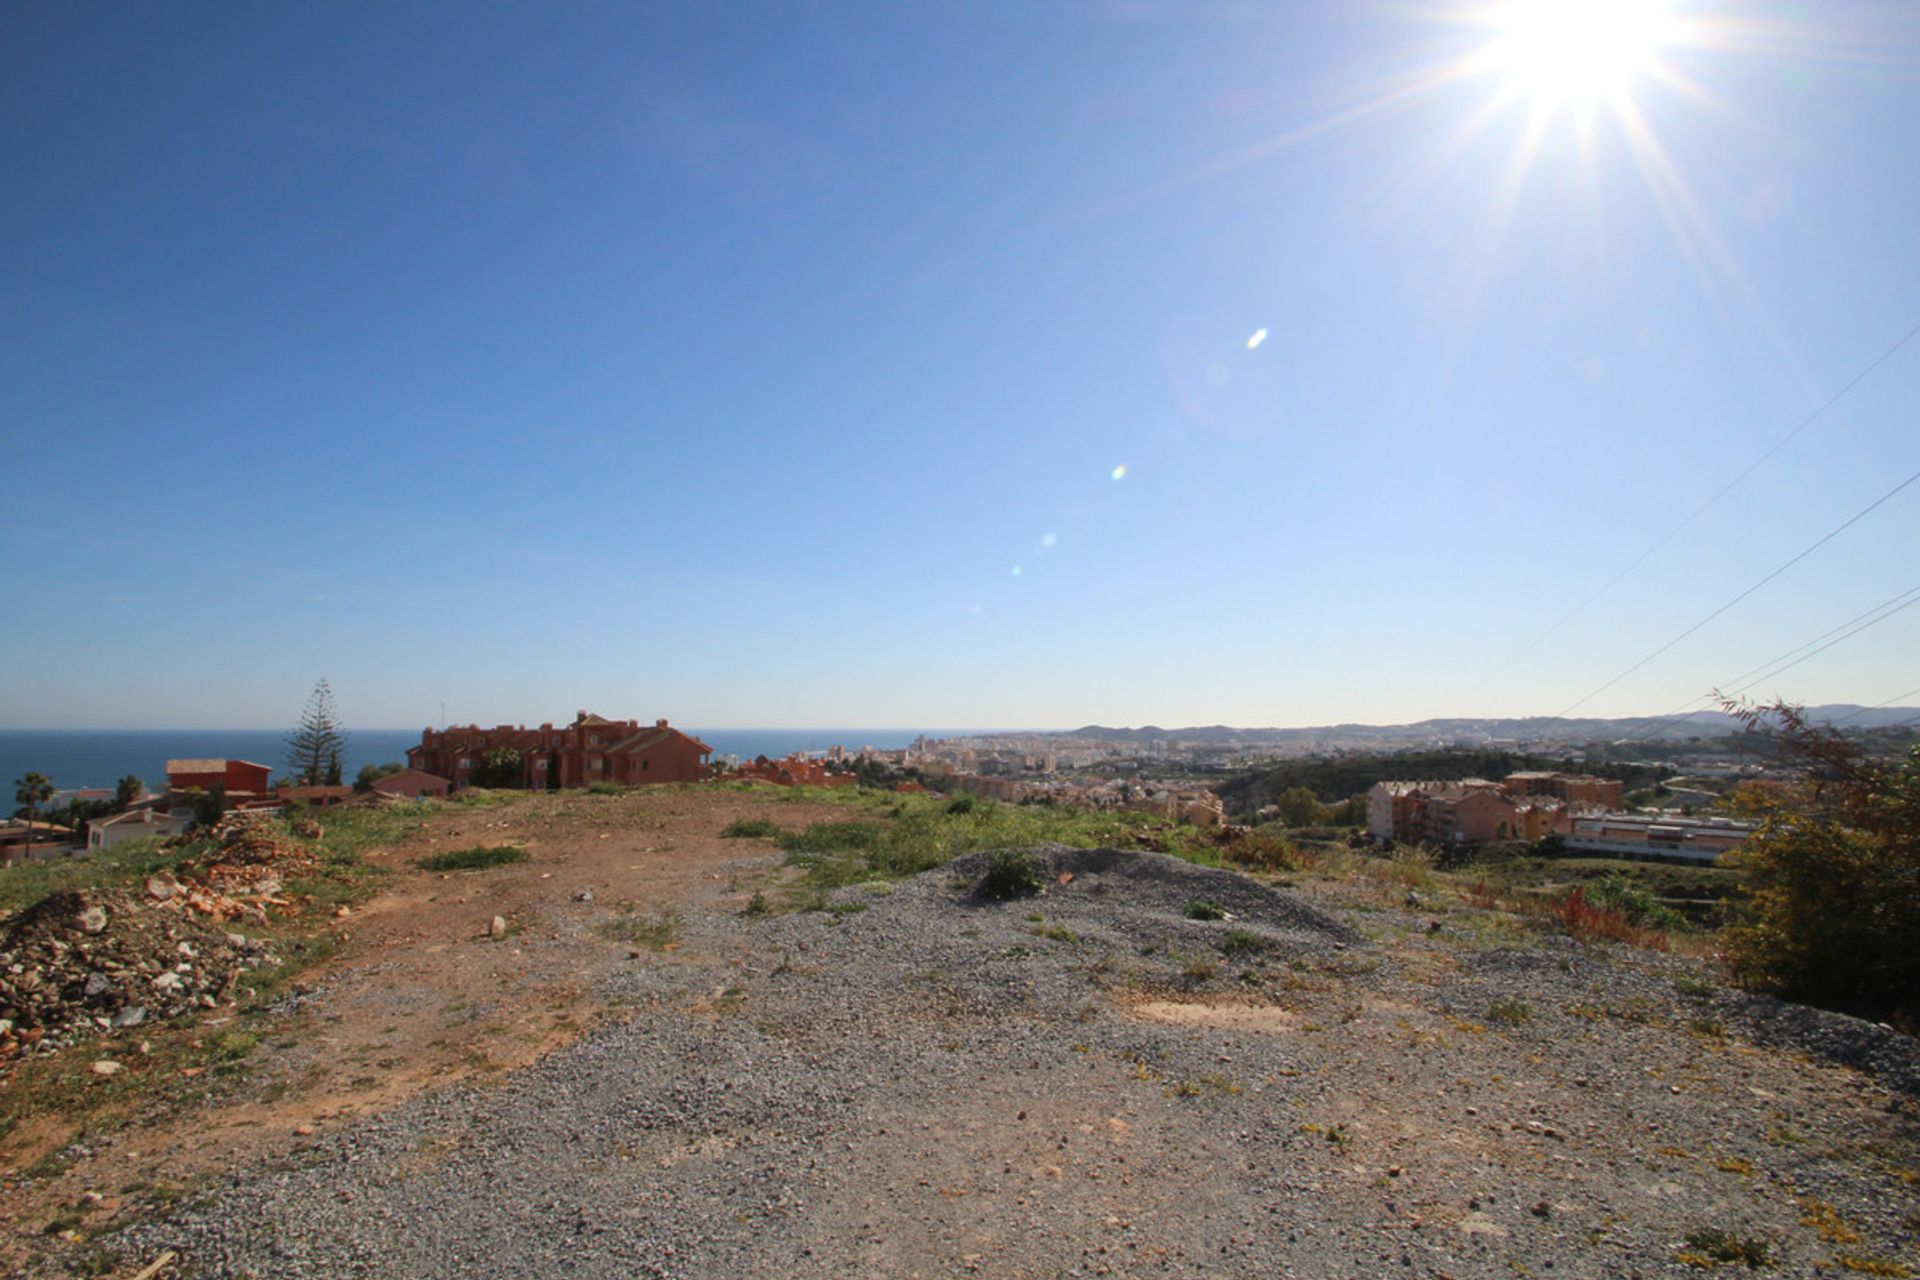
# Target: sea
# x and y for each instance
(78, 758)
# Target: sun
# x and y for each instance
(1561, 53)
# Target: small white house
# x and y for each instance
(135, 824)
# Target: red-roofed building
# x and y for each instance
(245, 783)
(591, 749)
(411, 784)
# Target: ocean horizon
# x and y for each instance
(79, 758)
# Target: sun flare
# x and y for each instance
(1576, 52)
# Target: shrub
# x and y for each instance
(751, 829)
(1614, 892)
(962, 804)
(1585, 920)
(1011, 873)
(1205, 909)
(1833, 874)
(474, 859)
(1267, 852)
(1511, 1012)
(1239, 942)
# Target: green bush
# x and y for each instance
(1614, 892)
(1205, 909)
(961, 804)
(1240, 942)
(1011, 873)
(1833, 873)
(751, 829)
(474, 859)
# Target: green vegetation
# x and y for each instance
(752, 829)
(890, 836)
(313, 748)
(1510, 1012)
(655, 930)
(1710, 1246)
(1833, 915)
(1615, 892)
(1011, 873)
(475, 859)
(499, 767)
(1205, 909)
(372, 773)
(1240, 942)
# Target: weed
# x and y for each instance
(757, 904)
(1694, 988)
(1239, 942)
(1200, 968)
(845, 908)
(752, 829)
(474, 859)
(1058, 932)
(606, 789)
(1826, 1220)
(1874, 1266)
(1011, 873)
(1511, 1012)
(1205, 909)
(1196, 1086)
(1707, 1247)
(656, 931)
(1588, 920)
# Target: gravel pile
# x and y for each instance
(1089, 1082)
(82, 962)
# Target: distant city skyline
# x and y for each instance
(999, 365)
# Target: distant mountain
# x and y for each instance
(1704, 724)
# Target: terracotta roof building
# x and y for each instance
(591, 749)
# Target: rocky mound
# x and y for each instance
(1144, 893)
(82, 962)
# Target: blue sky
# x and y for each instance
(770, 365)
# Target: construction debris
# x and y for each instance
(84, 962)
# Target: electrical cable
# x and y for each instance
(1844, 525)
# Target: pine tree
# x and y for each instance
(333, 769)
(318, 740)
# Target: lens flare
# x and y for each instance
(1259, 336)
(1119, 472)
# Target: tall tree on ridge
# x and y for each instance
(318, 739)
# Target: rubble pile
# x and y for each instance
(241, 877)
(86, 961)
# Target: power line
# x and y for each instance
(1828, 645)
(1903, 600)
(1876, 706)
(1848, 523)
(1698, 511)
(1910, 591)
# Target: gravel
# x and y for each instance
(1088, 1082)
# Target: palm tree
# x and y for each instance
(30, 792)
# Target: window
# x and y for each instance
(465, 763)
(540, 765)
(597, 764)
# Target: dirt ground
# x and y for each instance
(421, 993)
